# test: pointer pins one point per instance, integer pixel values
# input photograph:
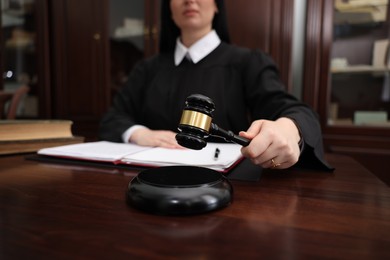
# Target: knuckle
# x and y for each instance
(251, 154)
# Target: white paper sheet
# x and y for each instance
(149, 156)
(228, 154)
(101, 151)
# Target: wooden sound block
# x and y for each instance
(179, 190)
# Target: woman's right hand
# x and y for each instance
(155, 138)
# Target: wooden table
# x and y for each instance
(54, 211)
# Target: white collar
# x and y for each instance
(199, 49)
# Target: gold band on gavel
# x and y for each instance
(196, 119)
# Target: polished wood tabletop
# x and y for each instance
(59, 211)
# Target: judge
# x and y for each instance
(250, 99)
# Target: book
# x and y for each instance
(13, 130)
(33, 145)
(380, 55)
(217, 156)
(24, 136)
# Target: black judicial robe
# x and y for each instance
(244, 85)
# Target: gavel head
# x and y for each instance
(195, 122)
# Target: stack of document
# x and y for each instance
(217, 156)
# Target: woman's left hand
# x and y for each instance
(274, 144)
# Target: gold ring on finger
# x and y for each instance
(274, 164)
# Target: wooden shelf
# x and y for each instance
(360, 69)
(349, 122)
(354, 4)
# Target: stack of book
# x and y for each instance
(23, 136)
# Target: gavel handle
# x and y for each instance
(228, 135)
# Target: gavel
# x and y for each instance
(196, 124)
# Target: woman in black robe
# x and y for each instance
(250, 99)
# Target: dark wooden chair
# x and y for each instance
(14, 99)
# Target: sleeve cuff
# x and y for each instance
(127, 134)
(301, 142)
